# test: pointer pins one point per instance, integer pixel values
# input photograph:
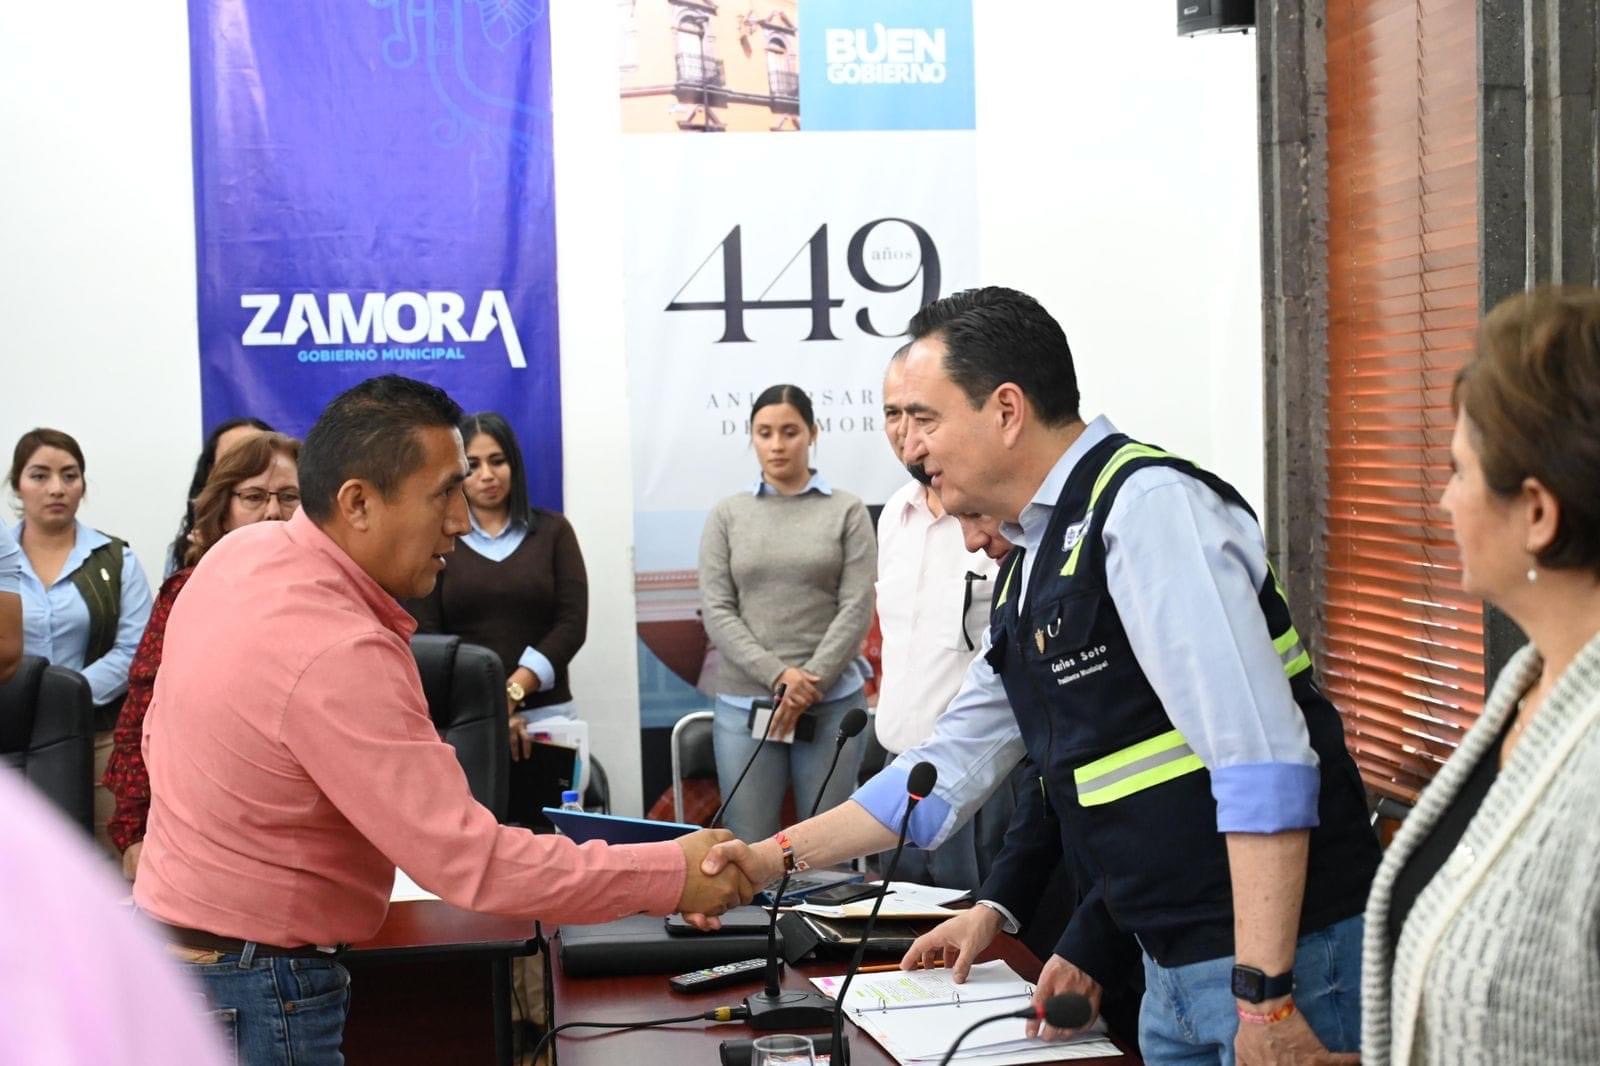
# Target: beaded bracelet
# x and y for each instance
(790, 863)
(1264, 1017)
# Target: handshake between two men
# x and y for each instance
(846, 831)
(710, 888)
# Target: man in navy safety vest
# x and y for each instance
(1141, 653)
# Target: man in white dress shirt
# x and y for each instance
(933, 608)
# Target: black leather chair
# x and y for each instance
(466, 689)
(47, 735)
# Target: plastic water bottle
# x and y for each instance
(571, 801)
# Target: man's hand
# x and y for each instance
(521, 739)
(708, 894)
(957, 942)
(130, 859)
(1287, 1043)
(1060, 976)
(761, 862)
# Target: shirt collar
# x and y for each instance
(818, 483)
(514, 526)
(915, 501)
(86, 539)
(385, 607)
(1036, 515)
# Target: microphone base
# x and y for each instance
(738, 1052)
(791, 1008)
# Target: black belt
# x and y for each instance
(200, 940)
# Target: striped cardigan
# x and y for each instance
(1499, 959)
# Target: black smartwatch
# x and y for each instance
(1253, 986)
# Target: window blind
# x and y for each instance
(1403, 647)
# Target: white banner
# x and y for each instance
(805, 269)
(797, 185)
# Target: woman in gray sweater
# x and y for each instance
(786, 573)
(1483, 927)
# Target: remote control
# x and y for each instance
(729, 973)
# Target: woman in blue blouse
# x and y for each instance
(85, 599)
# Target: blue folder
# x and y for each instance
(583, 827)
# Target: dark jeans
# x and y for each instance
(278, 1011)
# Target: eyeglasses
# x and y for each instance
(256, 499)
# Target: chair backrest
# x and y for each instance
(693, 754)
(465, 686)
(47, 734)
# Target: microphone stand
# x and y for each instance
(777, 698)
(773, 1008)
(843, 1058)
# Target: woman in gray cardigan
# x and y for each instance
(786, 573)
(1483, 927)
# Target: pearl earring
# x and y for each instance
(1533, 575)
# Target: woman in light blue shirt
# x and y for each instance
(85, 600)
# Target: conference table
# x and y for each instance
(434, 986)
(641, 997)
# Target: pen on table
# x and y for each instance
(891, 966)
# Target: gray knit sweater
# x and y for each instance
(786, 581)
(1499, 959)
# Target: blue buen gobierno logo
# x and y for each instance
(886, 65)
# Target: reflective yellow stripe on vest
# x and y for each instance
(1292, 652)
(1144, 765)
(1005, 590)
(1119, 459)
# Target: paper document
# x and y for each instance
(904, 900)
(406, 890)
(917, 1014)
(899, 989)
(893, 907)
(930, 895)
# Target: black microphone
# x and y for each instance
(777, 698)
(774, 1008)
(1066, 1011)
(850, 726)
(919, 785)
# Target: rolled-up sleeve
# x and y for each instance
(975, 745)
(363, 734)
(1184, 569)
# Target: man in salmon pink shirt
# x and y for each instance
(293, 763)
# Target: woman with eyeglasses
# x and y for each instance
(84, 597)
(256, 480)
(218, 443)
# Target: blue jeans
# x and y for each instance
(277, 1011)
(1188, 1012)
(754, 812)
